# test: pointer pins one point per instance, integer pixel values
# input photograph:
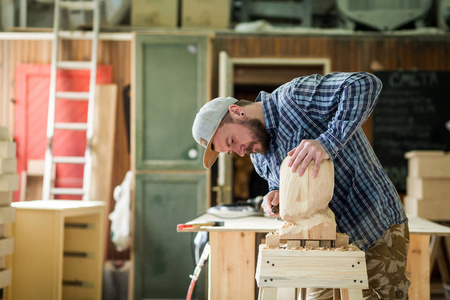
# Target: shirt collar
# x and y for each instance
(270, 110)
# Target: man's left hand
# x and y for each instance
(303, 154)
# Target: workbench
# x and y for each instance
(234, 249)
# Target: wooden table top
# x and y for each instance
(263, 224)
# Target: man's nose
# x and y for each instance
(238, 150)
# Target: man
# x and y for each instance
(315, 118)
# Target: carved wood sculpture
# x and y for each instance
(306, 251)
(304, 207)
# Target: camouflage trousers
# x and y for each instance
(386, 267)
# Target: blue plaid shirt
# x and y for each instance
(331, 109)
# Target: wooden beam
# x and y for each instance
(418, 267)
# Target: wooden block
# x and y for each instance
(325, 244)
(341, 240)
(312, 268)
(6, 246)
(312, 244)
(7, 149)
(9, 182)
(428, 188)
(8, 165)
(4, 133)
(6, 198)
(428, 164)
(435, 210)
(7, 215)
(273, 240)
(5, 277)
(293, 243)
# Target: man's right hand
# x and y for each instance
(270, 200)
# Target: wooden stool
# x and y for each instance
(302, 268)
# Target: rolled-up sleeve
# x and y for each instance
(355, 102)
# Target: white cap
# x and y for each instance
(206, 123)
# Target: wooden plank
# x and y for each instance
(312, 268)
(428, 164)
(428, 187)
(435, 210)
(419, 226)
(103, 143)
(418, 267)
(235, 283)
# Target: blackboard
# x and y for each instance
(412, 113)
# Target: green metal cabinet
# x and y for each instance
(163, 257)
(171, 184)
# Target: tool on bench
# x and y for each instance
(275, 209)
(198, 225)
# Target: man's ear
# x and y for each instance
(235, 110)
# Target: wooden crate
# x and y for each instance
(428, 188)
(214, 14)
(428, 164)
(154, 13)
(431, 209)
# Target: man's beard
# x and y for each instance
(260, 135)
